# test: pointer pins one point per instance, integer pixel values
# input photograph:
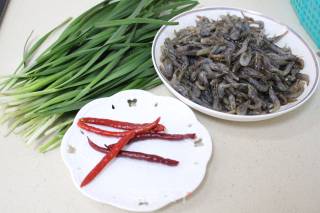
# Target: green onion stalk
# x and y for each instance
(105, 50)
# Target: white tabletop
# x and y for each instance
(269, 166)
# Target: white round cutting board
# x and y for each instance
(133, 184)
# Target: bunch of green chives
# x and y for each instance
(105, 50)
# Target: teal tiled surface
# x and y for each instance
(308, 12)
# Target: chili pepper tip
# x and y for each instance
(173, 163)
(84, 183)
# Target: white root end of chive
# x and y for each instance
(57, 127)
(4, 119)
(23, 129)
(5, 99)
(17, 102)
(17, 123)
(27, 129)
(39, 131)
(10, 109)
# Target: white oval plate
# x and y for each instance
(292, 39)
(132, 184)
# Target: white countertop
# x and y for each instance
(269, 166)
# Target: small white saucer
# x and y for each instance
(132, 184)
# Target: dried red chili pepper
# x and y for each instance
(144, 136)
(114, 151)
(149, 157)
(135, 155)
(96, 147)
(164, 136)
(98, 131)
(118, 124)
(107, 158)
